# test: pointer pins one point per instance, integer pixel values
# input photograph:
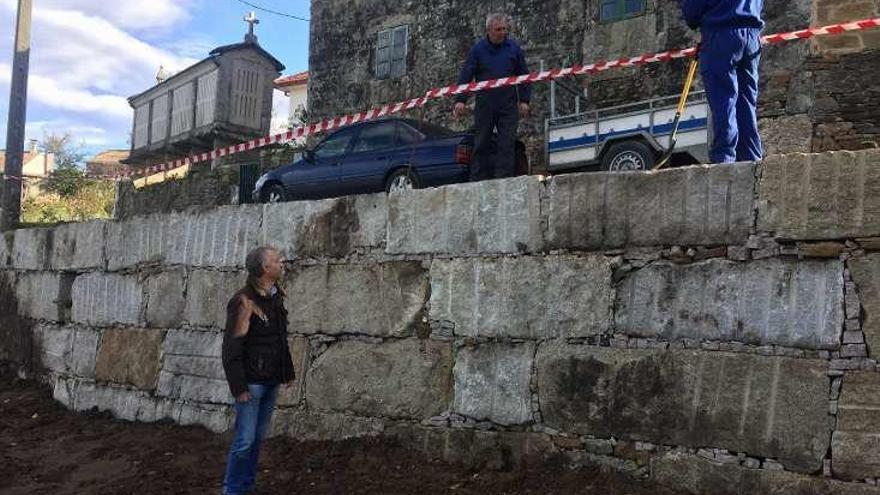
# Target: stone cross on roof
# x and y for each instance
(251, 19)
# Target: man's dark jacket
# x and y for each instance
(487, 60)
(709, 15)
(262, 355)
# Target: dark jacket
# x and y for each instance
(262, 355)
(489, 61)
(709, 15)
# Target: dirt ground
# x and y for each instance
(47, 449)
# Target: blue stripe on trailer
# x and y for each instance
(659, 130)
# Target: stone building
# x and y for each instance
(36, 165)
(224, 99)
(816, 96)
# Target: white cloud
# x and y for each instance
(85, 60)
(92, 52)
(129, 14)
(83, 135)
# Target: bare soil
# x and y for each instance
(46, 449)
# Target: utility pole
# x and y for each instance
(11, 207)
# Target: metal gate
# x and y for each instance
(248, 173)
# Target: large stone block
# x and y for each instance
(32, 249)
(68, 349)
(130, 357)
(405, 379)
(217, 238)
(7, 240)
(307, 426)
(134, 405)
(44, 295)
(693, 474)
(826, 196)
(384, 299)
(84, 395)
(140, 240)
(193, 343)
(702, 205)
(783, 302)
(866, 274)
(107, 299)
(330, 228)
(525, 297)
(198, 366)
(856, 441)
(165, 299)
(764, 406)
(79, 246)
(220, 237)
(192, 367)
(499, 216)
(478, 450)
(207, 294)
(194, 388)
(492, 383)
(291, 394)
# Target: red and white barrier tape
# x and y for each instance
(456, 89)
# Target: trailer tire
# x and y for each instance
(628, 156)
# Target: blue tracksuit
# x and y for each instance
(729, 59)
(496, 108)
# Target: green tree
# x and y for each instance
(68, 195)
(68, 177)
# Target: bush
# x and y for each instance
(92, 200)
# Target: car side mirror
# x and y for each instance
(309, 155)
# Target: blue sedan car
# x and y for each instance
(387, 155)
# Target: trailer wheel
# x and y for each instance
(627, 156)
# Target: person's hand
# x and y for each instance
(243, 397)
(459, 110)
(247, 307)
(523, 110)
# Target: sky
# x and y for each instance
(87, 57)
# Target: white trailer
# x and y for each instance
(628, 137)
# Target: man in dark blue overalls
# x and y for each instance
(494, 57)
(729, 59)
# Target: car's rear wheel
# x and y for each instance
(272, 193)
(628, 156)
(403, 179)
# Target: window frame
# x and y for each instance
(621, 14)
(396, 62)
(384, 125)
(352, 132)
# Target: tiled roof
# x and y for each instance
(294, 80)
(109, 156)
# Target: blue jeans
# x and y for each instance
(251, 424)
(729, 60)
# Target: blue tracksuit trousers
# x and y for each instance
(729, 60)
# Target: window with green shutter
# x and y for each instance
(615, 10)
(391, 50)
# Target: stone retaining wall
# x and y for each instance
(713, 327)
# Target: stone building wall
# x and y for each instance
(712, 327)
(202, 187)
(797, 77)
